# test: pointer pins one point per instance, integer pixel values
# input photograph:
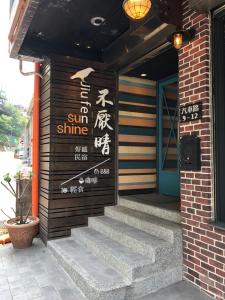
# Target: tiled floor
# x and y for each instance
(34, 274)
(179, 291)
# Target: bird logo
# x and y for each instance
(83, 74)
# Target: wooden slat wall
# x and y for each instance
(137, 135)
(59, 95)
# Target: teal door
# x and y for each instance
(167, 144)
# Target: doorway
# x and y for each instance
(148, 129)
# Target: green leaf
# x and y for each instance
(7, 177)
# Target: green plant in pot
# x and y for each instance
(23, 228)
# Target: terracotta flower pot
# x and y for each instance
(22, 235)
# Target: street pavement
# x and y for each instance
(8, 164)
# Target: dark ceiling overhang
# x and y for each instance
(205, 5)
(126, 51)
(62, 27)
(154, 68)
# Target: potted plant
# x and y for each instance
(23, 228)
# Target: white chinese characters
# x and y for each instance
(102, 122)
(104, 143)
(101, 97)
(81, 153)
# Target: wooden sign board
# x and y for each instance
(79, 117)
(191, 112)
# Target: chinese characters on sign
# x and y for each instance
(92, 142)
(81, 153)
(102, 122)
(104, 143)
(77, 189)
(191, 112)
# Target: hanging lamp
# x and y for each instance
(137, 9)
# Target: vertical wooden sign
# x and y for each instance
(79, 170)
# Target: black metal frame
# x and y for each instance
(218, 53)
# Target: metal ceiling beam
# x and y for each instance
(121, 55)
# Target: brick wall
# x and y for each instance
(204, 245)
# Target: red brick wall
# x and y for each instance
(204, 245)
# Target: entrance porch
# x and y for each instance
(148, 103)
(162, 206)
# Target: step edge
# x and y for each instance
(162, 243)
(141, 206)
(155, 254)
(142, 263)
(94, 284)
(125, 268)
(170, 237)
(174, 226)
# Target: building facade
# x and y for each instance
(145, 124)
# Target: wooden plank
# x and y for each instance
(137, 90)
(137, 171)
(137, 122)
(137, 187)
(136, 104)
(137, 138)
(146, 157)
(137, 178)
(137, 114)
(135, 149)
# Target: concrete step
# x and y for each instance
(158, 227)
(146, 286)
(148, 245)
(162, 211)
(129, 263)
(96, 279)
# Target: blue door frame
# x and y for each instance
(168, 180)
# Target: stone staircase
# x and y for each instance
(130, 252)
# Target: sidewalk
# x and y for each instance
(35, 275)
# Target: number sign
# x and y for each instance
(191, 112)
